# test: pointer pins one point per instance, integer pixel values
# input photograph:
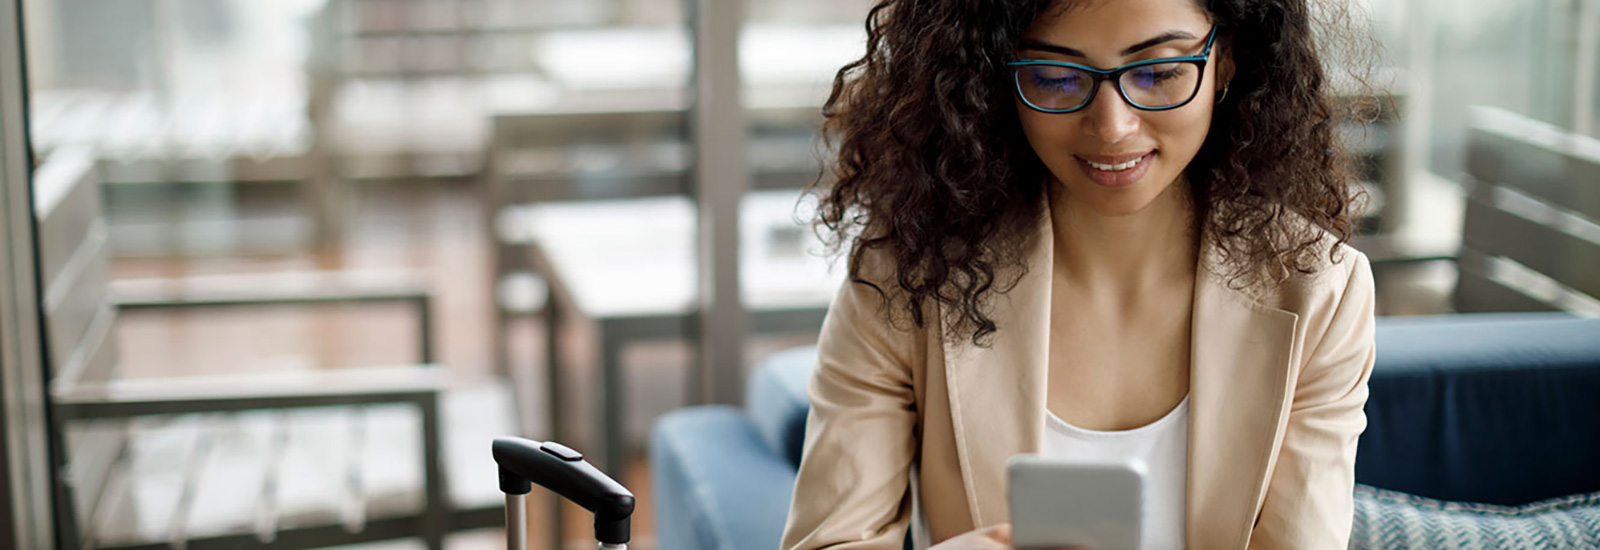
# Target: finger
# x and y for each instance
(1000, 532)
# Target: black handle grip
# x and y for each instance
(560, 469)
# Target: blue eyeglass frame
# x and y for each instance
(1115, 76)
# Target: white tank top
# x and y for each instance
(1162, 445)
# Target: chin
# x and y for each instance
(1109, 202)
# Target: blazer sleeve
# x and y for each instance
(853, 487)
(1309, 502)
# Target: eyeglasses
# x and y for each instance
(1150, 85)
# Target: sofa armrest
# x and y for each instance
(1489, 408)
(718, 486)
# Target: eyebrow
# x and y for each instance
(1031, 44)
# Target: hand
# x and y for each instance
(993, 537)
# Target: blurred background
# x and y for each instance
(301, 259)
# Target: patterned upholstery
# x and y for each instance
(1392, 520)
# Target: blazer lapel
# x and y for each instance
(1241, 353)
(997, 392)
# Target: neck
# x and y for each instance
(1131, 252)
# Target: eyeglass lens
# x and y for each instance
(1150, 86)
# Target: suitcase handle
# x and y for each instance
(553, 466)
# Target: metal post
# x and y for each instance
(1586, 62)
(27, 518)
(425, 329)
(555, 405)
(1416, 117)
(720, 180)
(613, 432)
(517, 522)
(436, 509)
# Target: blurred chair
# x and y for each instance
(561, 156)
(585, 161)
(1531, 236)
(603, 147)
(116, 91)
(262, 433)
(207, 144)
(404, 89)
(1496, 409)
(576, 154)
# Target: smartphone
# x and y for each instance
(1058, 502)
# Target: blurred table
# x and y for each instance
(629, 265)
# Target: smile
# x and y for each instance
(1116, 170)
(1115, 167)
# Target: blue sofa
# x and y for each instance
(1500, 410)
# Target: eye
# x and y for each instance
(1045, 77)
(1151, 76)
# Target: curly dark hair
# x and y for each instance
(933, 170)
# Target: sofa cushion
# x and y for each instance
(717, 484)
(1498, 409)
(776, 400)
(1398, 521)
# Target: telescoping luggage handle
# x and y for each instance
(553, 466)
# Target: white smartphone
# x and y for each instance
(1058, 502)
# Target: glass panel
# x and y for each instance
(1517, 56)
(789, 53)
(242, 196)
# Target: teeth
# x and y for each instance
(1115, 167)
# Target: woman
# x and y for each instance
(1060, 244)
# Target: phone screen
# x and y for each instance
(1066, 502)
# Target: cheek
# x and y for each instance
(1031, 124)
(1047, 134)
(1182, 131)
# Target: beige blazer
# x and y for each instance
(1278, 382)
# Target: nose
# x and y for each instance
(1109, 117)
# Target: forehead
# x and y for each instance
(1106, 26)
